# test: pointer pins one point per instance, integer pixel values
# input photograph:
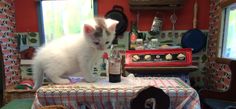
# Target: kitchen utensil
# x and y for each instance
(194, 38)
(173, 19)
(156, 26)
(117, 14)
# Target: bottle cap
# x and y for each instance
(154, 40)
(139, 40)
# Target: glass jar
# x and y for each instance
(139, 44)
(154, 44)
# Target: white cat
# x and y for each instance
(74, 55)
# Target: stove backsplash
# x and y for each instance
(199, 59)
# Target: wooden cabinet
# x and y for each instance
(11, 93)
(179, 69)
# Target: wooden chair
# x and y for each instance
(218, 99)
(2, 77)
(150, 98)
(14, 104)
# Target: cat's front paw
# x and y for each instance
(91, 79)
(61, 81)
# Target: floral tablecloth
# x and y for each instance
(105, 95)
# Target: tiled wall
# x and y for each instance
(28, 42)
(8, 41)
(199, 58)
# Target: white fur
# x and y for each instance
(70, 55)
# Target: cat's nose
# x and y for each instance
(101, 47)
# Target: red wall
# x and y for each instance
(185, 15)
(26, 16)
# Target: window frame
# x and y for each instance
(40, 17)
(225, 8)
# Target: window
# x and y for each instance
(228, 44)
(63, 17)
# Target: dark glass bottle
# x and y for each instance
(133, 35)
(114, 66)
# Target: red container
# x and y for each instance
(160, 57)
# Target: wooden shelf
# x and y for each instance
(11, 93)
(180, 69)
(155, 8)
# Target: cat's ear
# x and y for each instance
(88, 29)
(112, 24)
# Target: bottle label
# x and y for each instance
(114, 67)
(133, 38)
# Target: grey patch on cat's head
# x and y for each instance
(101, 23)
(98, 32)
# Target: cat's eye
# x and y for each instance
(96, 43)
(107, 42)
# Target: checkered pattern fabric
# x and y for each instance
(105, 95)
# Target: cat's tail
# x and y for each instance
(37, 75)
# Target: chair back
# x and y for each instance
(150, 98)
(230, 94)
(212, 99)
(2, 77)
